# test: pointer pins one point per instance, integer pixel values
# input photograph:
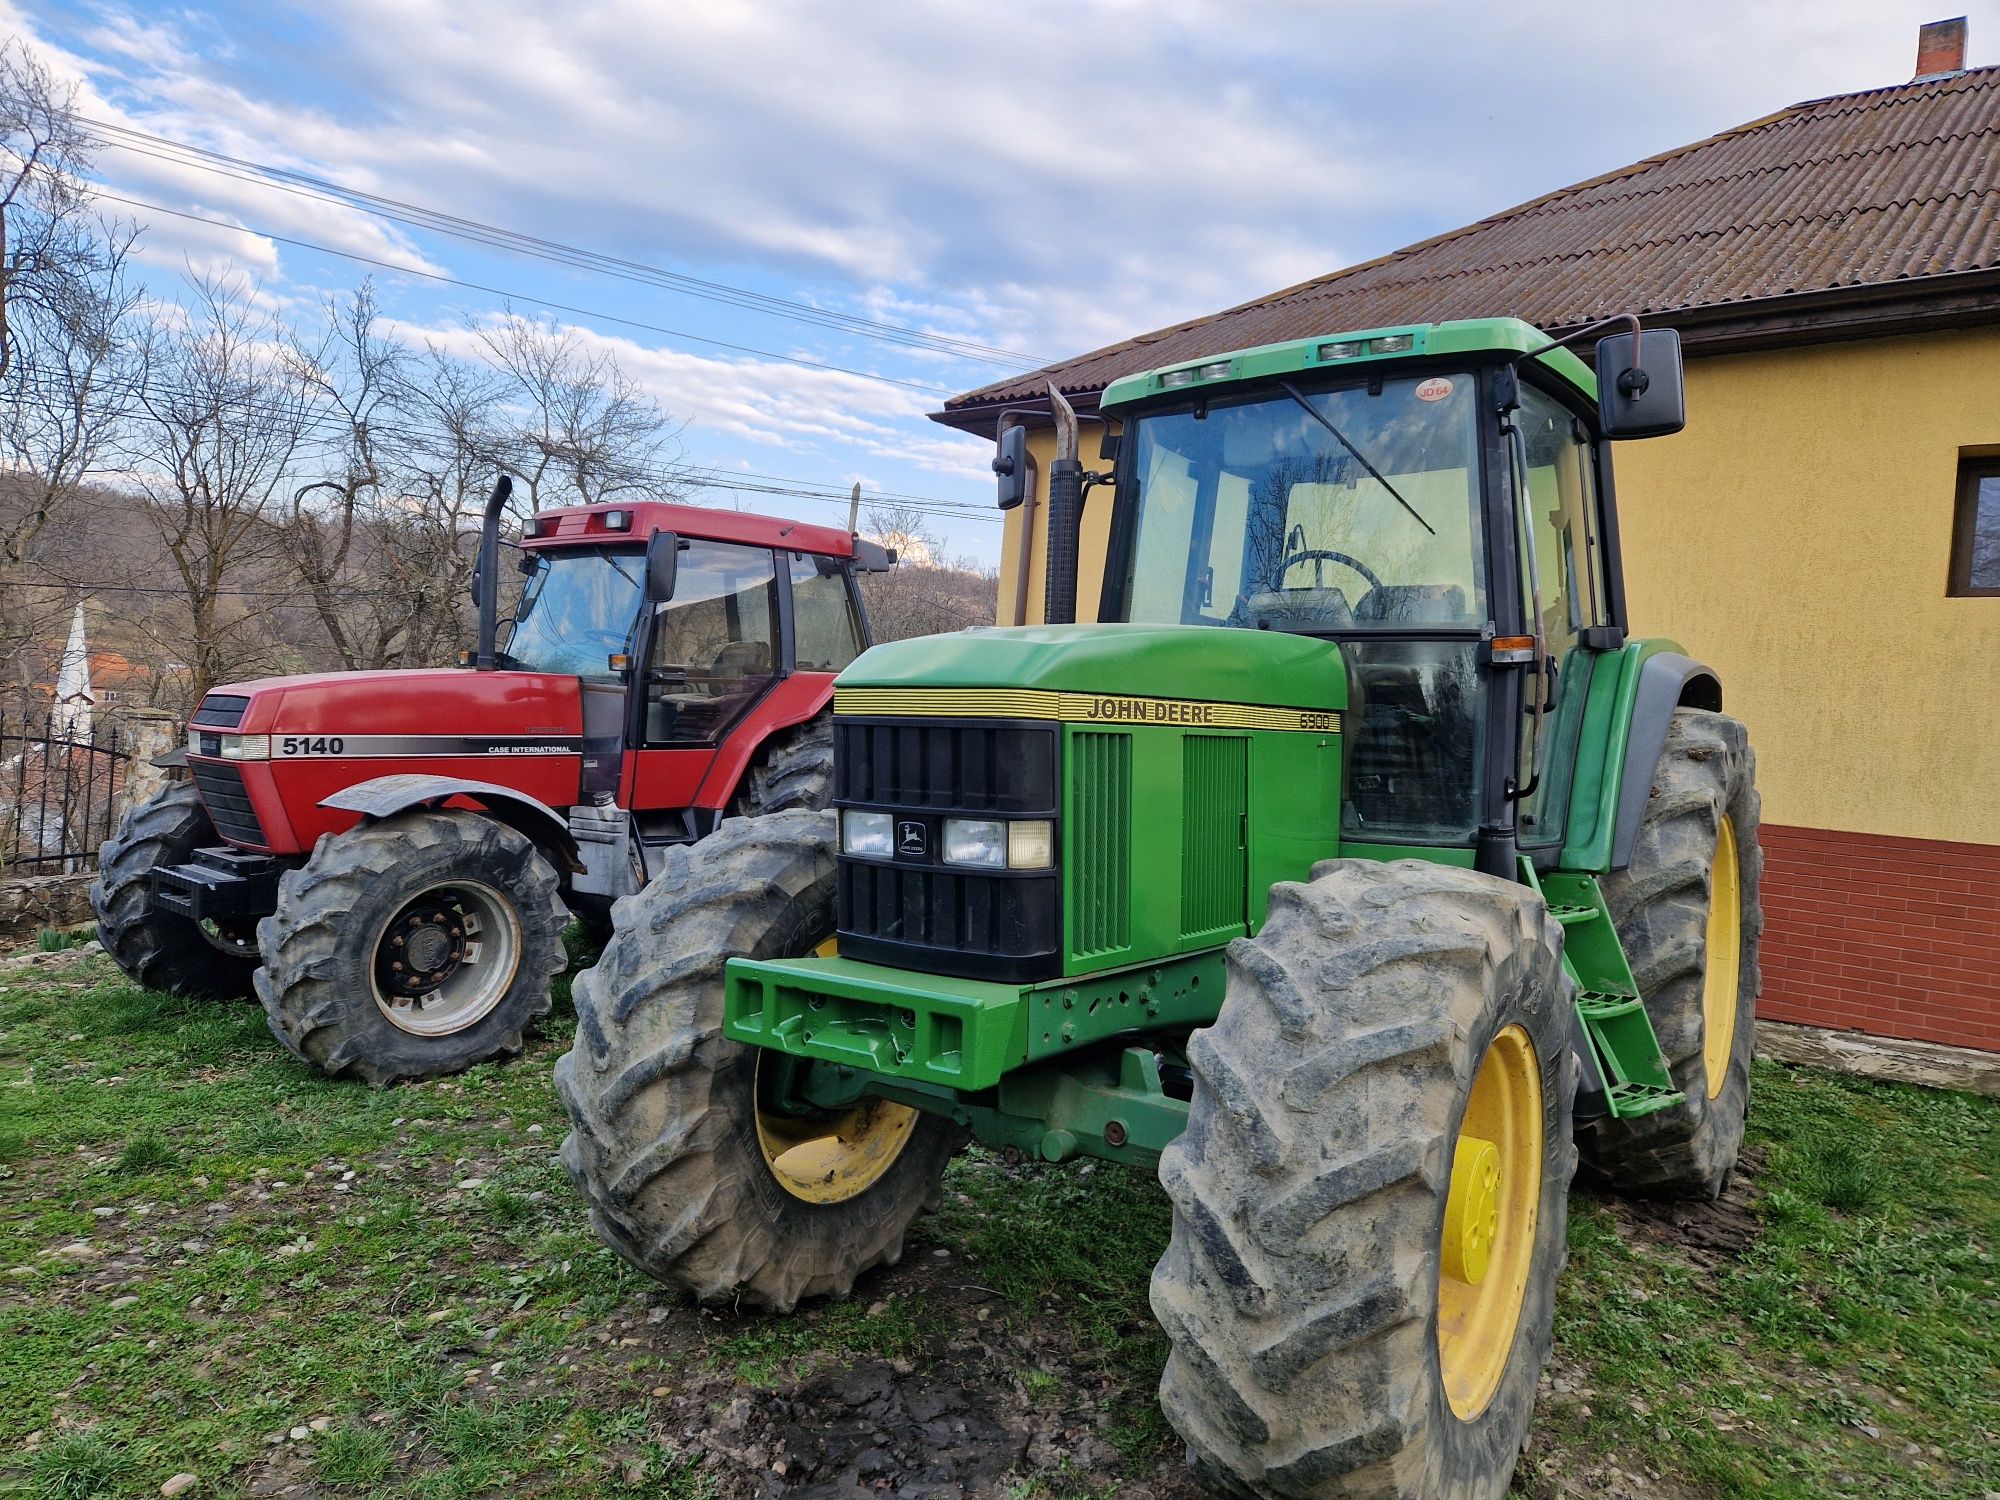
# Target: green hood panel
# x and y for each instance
(1205, 663)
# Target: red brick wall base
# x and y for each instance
(1900, 937)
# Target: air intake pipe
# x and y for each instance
(486, 578)
(1065, 527)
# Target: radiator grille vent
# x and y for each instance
(1213, 785)
(1100, 843)
(220, 711)
(228, 803)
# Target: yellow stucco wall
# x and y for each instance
(1797, 537)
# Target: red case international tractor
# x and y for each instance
(1356, 872)
(385, 856)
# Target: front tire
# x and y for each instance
(163, 950)
(412, 947)
(1370, 1199)
(1689, 914)
(686, 1176)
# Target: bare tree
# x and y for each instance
(67, 375)
(574, 427)
(335, 525)
(49, 235)
(926, 593)
(223, 417)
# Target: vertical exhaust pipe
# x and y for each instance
(1065, 526)
(486, 578)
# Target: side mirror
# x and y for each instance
(872, 557)
(1010, 462)
(663, 560)
(1639, 389)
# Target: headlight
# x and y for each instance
(867, 833)
(230, 746)
(1031, 846)
(980, 842)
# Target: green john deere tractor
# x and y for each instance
(1358, 871)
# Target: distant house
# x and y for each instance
(1826, 532)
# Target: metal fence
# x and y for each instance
(59, 793)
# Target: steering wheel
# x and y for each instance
(1322, 554)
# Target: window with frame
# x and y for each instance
(1975, 539)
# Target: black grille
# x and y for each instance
(912, 912)
(220, 711)
(960, 767)
(228, 802)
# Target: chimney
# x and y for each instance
(1940, 48)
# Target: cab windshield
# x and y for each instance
(576, 610)
(1326, 512)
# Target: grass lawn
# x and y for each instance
(215, 1262)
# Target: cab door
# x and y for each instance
(709, 655)
(1563, 525)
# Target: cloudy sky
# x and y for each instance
(1012, 183)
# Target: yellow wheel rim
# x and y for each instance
(1725, 959)
(1489, 1222)
(832, 1158)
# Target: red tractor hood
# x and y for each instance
(440, 706)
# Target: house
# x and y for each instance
(1826, 532)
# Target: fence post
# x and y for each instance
(151, 732)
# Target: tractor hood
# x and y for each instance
(1176, 662)
(498, 710)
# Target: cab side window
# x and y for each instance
(715, 643)
(1561, 522)
(826, 631)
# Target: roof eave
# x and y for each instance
(1919, 304)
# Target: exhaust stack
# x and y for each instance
(1065, 516)
(486, 578)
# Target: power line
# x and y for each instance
(418, 216)
(492, 291)
(329, 424)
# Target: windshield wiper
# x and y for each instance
(1374, 473)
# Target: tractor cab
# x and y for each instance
(1436, 501)
(681, 624)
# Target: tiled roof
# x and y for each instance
(1857, 190)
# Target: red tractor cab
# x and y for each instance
(386, 857)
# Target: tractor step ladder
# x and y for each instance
(1607, 1000)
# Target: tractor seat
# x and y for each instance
(1317, 608)
(1413, 604)
(740, 659)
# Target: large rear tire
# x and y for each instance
(1689, 913)
(161, 949)
(794, 768)
(412, 947)
(686, 1176)
(1370, 1199)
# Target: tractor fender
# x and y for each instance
(1667, 681)
(795, 700)
(385, 796)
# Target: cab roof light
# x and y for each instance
(1218, 369)
(1387, 343)
(618, 520)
